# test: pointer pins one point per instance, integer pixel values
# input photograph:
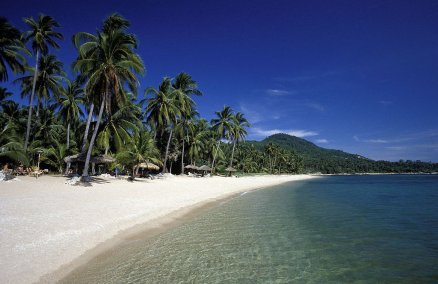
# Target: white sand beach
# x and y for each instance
(46, 224)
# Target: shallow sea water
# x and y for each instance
(351, 229)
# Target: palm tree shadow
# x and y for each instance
(92, 180)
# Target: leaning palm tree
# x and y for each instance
(70, 100)
(11, 50)
(42, 35)
(109, 62)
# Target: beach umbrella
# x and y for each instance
(149, 166)
(230, 169)
(204, 168)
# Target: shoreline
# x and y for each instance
(50, 228)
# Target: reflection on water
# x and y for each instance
(335, 229)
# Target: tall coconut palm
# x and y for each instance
(42, 35)
(185, 87)
(47, 83)
(70, 100)
(109, 62)
(222, 125)
(11, 50)
(163, 110)
(183, 128)
(238, 131)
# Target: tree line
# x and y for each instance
(99, 111)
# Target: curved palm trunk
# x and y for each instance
(84, 143)
(68, 135)
(167, 152)
(29, 117)
(93, 138)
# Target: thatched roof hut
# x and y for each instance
(230, 169)
(204, 168)
(149, 166)
(191, 167)
(101, 159)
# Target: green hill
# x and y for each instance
(318, 159)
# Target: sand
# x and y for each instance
(46, 224)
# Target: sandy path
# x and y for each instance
(45, 223)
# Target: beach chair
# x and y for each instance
(36, 172)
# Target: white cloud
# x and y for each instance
(251, 115)
(294, 132)
(277, 93)
(381, 141)
(322, 141)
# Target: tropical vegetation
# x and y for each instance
(100, 110)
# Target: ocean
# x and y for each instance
(335, 229)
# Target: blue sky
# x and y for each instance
(360, 76)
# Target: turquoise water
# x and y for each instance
(363, 229)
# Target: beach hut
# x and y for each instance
(149, 166)
(204, 169)
(230, 170)
(190, 167)
(101, 159)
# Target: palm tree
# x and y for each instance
(185, 87)
(119, 127)
(163, 110)
(48, 82)
(185, 126)
(238, 131)
(109, 62)
(197, 139)
(222, 126)
(11, 49)
(141, 149)
(70, 100)
(4, 94)
(42, 35)
(11, 145)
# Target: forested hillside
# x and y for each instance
(318, 159)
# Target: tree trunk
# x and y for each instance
(68, 135)
(93, 137)
(170, 168)
(67, 169)
(167, 151)
(214, 157)
(232, 154)
(38, 106)
(106, 150)
(84, 143)
(29, 117)
(182, 158)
